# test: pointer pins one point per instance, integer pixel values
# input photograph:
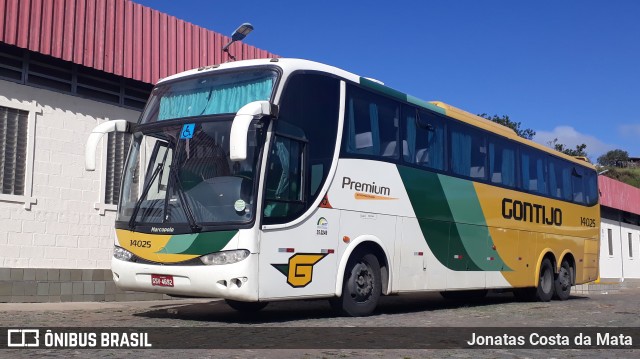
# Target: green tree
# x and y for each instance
(506, 121)
(618, 158)
(579, 151)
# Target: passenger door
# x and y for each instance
(296, 259)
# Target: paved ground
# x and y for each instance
(611, 309)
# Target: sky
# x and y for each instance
(567, 69)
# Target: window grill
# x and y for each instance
(13, 150)
(118, 144)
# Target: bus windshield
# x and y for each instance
(189, 181)
(211, 94)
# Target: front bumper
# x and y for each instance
(238, 281)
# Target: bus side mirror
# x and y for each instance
(240, 126)
(96, 135)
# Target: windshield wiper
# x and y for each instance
(145, 191)
(183, 198)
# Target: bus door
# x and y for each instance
(296, 259)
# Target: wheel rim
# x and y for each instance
(361, 287)
(564, 278)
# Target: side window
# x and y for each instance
(371, 124)
(423, 142)
(502, 162)
(559, 179)
(577, 183)
(468, 152)
(534, 172)
(311, 102)
(591, 183)
(284, 197)
(610, 241)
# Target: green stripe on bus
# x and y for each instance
(198, 244)
(451, 220)
(425, 104)
(382, 88)
(470, 222)
(436, 219)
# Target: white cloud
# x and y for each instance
(629, 130)
(571, 138)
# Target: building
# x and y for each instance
(620, 230)
(65, 67)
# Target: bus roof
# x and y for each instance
(289, 65)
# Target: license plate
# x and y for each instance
(159, 280)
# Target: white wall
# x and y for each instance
(622, 264)
(630, 260)
(56, 224)
(610, 256)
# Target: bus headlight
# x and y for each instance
(226, 257)
(122, 254)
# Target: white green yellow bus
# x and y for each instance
(279, 179)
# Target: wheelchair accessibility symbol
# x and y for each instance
(187, 131)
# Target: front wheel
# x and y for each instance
(361, 287)
(563, 281)
(545, 289)
(246, 307)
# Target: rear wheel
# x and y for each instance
(361, 287)
(246, 307)
(563, 281)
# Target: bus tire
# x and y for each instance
(563, 281)
(246, 307)
(546, 286)
(361, 287)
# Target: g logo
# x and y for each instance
(299, 270)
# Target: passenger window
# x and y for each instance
(577, 185)
(423, 143)
(468, 152)
(534, 172)
(372, 124)
(559, 179)
(502, 163)
(591, 182)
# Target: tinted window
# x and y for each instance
(560, 179)
(468, 152)
(284, 193)
(371, 124)
(423, 142)
(502, 162)
(310, 103)
(591, 182)
(533, 171)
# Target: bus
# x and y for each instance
(280, 179)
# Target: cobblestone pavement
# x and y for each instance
(619, 308)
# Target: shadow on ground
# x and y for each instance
(300, 310)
